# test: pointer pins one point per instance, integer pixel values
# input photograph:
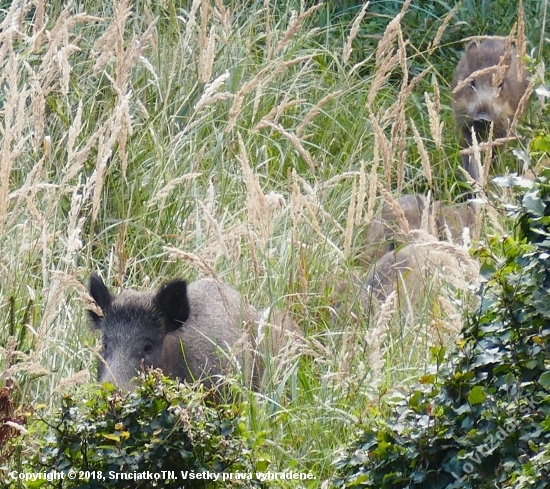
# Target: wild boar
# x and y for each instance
(487, 87)
(388, 230)
(418, 266)
(192, 332)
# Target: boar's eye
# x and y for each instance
(148, 348)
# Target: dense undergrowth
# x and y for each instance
(480, 417)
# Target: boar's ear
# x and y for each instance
(101, 295)
(472, 46)
(173, 303)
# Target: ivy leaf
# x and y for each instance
(544, 380)
(541, 143)
(476, 395)
(533, 203)
(111, 436)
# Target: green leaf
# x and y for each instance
(476, 395)
(541, 143)
(111, 436)
(544, 380)
(533, 203)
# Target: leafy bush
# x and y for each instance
(482, 419)
(12, 423)
(161, 426)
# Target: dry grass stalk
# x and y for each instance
(373, 185)
(12, 130)
(54, 64)
(74, 131)
(386, 57)
(38, 27)
(211, 95)
(210, 201)
(206, 61)
(382, 146)
(272, 69)
(488, 157)
(361, 194)
(350, 221)
(257, 210)
(314, 111)
(111, 130)
(258, 93)
(224, 15)
(190, 26)
(439, 34)
(38, 108)
(475, 74)
(397, 114)
(494, 217)
(226, 244)
(78, 158)
(525, 99)
(206, 11)
(27, 366)
(277, 112)
(353, 33)
(298, 205)
(253, 255)
(194, 260)
(454, 262)
(376, 337)
(160, 197)
(312, 200)
(427, 221)
(218, 234)
(424, 157)
(296, 142)
(336, 179)
(476, 150)
(381, 76)
(31, 185)
(502, 67)
(78, 378)
(434, 109)
(399, 126)
(521, 43)
(111, 45)
(267, 30)
(397, 210)
(294, 26)
(53, 297)
(72, 241)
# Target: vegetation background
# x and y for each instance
(253, 140)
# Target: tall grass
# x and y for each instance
(150, 141)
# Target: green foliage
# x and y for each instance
(482, 418)
(10, 418)
(161, 426)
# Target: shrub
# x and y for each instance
(12, 422)
(110, 438)
(482, 419)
